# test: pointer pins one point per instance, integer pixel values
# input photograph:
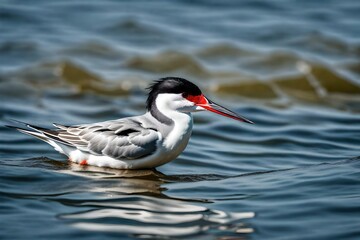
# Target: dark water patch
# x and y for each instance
(94, 49)
(132, 26)
(329, 45)
(320, 85)
(19, 47)
(168, 62)
(19, 15)
(354, 67)
(334, 83)
(297, 86)
(276, 63)
(225, 50)
(251, 89)
(60, 74)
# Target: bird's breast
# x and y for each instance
(179, 135)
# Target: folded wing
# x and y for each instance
(119, 139)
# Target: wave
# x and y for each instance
(295, 80)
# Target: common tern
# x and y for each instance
(139, 142)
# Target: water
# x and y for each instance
(290, 66)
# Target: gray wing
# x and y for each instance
(119, 139)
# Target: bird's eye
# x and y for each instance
(185, 95)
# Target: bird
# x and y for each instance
(139, 142)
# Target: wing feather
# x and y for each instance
(119, 139)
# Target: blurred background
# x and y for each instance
(292, 67)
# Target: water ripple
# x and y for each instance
(293, 69)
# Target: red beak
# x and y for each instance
(209, 105)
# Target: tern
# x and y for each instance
(140, 142)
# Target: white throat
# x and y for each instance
(178, 137)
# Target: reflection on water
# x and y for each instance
(176, 224)
(290, 66)
(154, 216)
(133, 202)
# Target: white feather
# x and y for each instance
(172, 105)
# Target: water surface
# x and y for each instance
(292, 67)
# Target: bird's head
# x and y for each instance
(181, 95)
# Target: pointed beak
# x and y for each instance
(216, 108)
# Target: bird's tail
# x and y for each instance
(40, 133)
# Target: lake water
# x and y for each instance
(292, 67)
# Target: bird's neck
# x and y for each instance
(180, 133)
(180, 123)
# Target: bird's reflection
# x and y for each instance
(133, 202)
